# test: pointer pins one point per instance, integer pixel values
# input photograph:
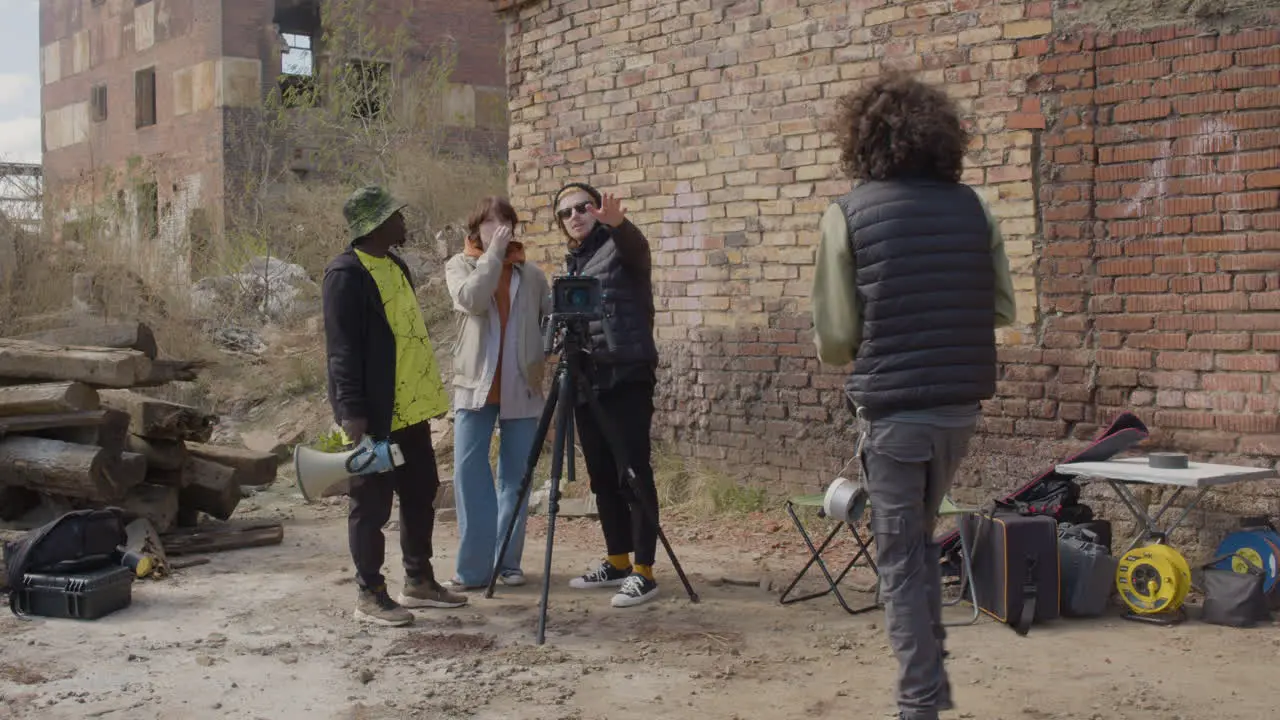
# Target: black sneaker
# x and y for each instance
(636, 590)
(376, 606)
(604, 576)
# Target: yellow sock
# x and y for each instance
(646, 571)
(620, 562)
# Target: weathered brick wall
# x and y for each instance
(709, 116)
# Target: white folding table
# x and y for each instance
(1201, 477)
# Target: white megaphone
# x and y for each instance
(845, 500)
(318, 471)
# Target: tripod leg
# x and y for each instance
(620, 458)
(561, 447)
(540, 436)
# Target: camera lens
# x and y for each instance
(578, 297)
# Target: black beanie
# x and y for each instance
(594, 193)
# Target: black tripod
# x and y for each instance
(572, 379)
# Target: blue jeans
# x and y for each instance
(483, 510)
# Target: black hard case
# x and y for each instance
(82, 596)
(1016, 568)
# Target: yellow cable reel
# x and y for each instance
(1153, 579)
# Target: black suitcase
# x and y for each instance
(83, 596)
(1016, 568)
(1088, 577)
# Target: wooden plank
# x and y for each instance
(211, 488)
(164, 372)
(156, 503)
(168, 478)
(112, 434)
(32, 423)
(16, 501)
(47, 398)
(127, 470)
(217, 538)
(56, 467)
(26, 360)
(115, 335)
(153, 418)
(160, 454)
(252, 468)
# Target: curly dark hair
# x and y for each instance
(898, 127)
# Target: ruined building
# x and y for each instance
(1131, 158)
(140, 97)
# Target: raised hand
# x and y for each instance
(610, 211)
(501, 238)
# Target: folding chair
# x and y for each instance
(950, 509)
(815, 501)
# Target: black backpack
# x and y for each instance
(79, 541)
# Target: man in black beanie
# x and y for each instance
(604, 244)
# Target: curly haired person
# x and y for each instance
(911, 283)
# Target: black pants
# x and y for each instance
(629, 407)
(416, 482)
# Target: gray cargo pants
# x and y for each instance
(909, 467)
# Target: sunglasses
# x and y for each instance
(580, 208)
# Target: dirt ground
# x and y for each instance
(267, 633)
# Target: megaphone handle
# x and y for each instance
(359, 451)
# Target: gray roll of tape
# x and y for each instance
(1167, 461)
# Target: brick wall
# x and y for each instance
(708, 117)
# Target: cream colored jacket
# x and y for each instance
(472, 283)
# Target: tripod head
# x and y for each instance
(576, 301)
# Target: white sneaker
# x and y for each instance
(636, 590)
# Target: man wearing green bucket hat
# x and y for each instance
(384, 383)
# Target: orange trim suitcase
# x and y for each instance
(1016, 568)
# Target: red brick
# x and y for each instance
(1125, 266)
(1216, 244)
(1217, 302)
(1252, 99)
(1204, 104)
(1250, 262)
(1184, 360)
(1266, 341)
(1185, 264)
(1152, 303)
(1182, 379)
(1238, 78)
(1249, 39)
(1232, 382)
(1260, 200)
(1135, 112)
(1263, 179)
(1124, 359)
(1204, 62)
(1185, 419)
(1219, 341)
(1266, 363)
(1265, 160)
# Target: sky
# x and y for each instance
(19, 81)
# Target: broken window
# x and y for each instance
(298, 22)
(149, 210)
(98, 103)
(297, 58)
(144, 90)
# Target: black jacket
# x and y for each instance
(360, 345)
(620, 258)
(927, 287)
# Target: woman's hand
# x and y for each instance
(501, 238)
(610, 211)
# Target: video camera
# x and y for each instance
(576, 301)
(577, 297)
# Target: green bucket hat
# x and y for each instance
(368, 208)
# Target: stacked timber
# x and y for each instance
(77, 430)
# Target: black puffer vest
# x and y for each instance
(926, 282)
(628, 308)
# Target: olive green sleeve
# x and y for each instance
(837, 314)
(1006, 304)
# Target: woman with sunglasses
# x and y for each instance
(603, 243)
(498, 366)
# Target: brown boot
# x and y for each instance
(376, 606)
(429, 594)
